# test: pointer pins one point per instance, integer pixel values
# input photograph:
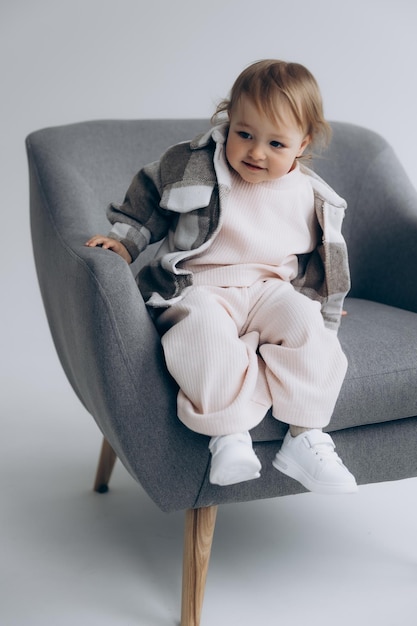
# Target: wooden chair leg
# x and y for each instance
(198, 538)
(105, 467)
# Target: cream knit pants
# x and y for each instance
(237, 351)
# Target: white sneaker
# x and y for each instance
(311, 459)
(233, 459)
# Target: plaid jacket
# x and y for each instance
(180, 200)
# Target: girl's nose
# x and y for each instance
(256, 152)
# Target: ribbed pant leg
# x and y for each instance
(216, 370)
(305, 365)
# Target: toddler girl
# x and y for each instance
(248, 284)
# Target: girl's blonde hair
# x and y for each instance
(274, 85)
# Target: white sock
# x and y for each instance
(298, 430)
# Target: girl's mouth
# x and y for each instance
(251, 166)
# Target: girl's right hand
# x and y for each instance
(109, 244)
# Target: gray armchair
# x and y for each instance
(111, 352)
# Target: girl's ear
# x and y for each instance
(306, 141)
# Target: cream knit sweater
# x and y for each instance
(264, 227)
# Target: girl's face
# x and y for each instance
(259, 149)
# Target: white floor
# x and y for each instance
(71, 557)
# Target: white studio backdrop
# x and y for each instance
(64, 61)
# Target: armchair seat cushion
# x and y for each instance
(380, 343)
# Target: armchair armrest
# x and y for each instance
(384, 264)
(380, 226)
(107, 343)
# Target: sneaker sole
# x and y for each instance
(296, 472)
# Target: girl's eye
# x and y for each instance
(276, 144)
(244, 135)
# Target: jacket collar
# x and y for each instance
(322, 189)
(217, 134)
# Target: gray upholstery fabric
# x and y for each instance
(111, 352)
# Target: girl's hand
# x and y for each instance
(109, 244)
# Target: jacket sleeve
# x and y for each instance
(140, 220)
(324, 273)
